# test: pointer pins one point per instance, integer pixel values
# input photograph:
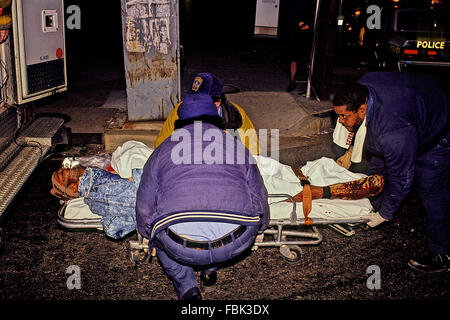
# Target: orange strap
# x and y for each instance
(307, 195)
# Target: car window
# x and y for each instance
(423, 21)
(386, 18)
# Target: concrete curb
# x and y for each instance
(294, 116)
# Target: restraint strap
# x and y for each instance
(307, 195)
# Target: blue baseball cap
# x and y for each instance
(206, 83)
(196, 105)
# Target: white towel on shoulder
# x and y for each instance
(343, 138)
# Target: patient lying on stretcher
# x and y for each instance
(111, 195)
(65, 186)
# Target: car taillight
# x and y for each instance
(432, 53)
(409, 51)
(59, 53)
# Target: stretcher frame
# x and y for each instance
(138, 249)
(289, 248)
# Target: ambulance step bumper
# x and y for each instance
(20, 159)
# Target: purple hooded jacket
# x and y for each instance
(209, 176)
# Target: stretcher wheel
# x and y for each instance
(138, 256)
(291, 253)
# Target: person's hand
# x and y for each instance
(303, 26)
(375, 219)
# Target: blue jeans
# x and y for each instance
(112, 197)
(178, 261)
(432, 178)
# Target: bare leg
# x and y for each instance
(293, 72)
(363, 188)
(353, 190)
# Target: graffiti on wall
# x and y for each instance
(148, 26)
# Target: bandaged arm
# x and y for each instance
(353, 190)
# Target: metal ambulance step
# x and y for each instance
(38, 137)
(42, 130)
(17, 172)
(8, 154)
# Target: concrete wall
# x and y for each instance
(151, 46)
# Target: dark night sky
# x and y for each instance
(209, 21)
(212, 23)
(202, 22)
(100, 33)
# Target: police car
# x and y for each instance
(413, 37)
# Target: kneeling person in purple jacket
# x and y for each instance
(201, 200)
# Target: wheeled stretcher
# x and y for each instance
(287, 228)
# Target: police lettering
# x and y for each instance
(431, 44)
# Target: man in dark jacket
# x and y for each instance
(201, 200)
(407, 122)
(300, 26)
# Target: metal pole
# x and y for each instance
(313, 51)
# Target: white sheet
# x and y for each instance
(131, 155)
(280, 179)
(78, 209)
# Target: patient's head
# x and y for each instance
(65, 182)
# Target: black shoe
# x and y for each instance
(431, 263)
(208, 277)
(291, 87)
(192, 294)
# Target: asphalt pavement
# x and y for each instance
(39, 256)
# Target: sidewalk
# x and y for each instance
(97, 106)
